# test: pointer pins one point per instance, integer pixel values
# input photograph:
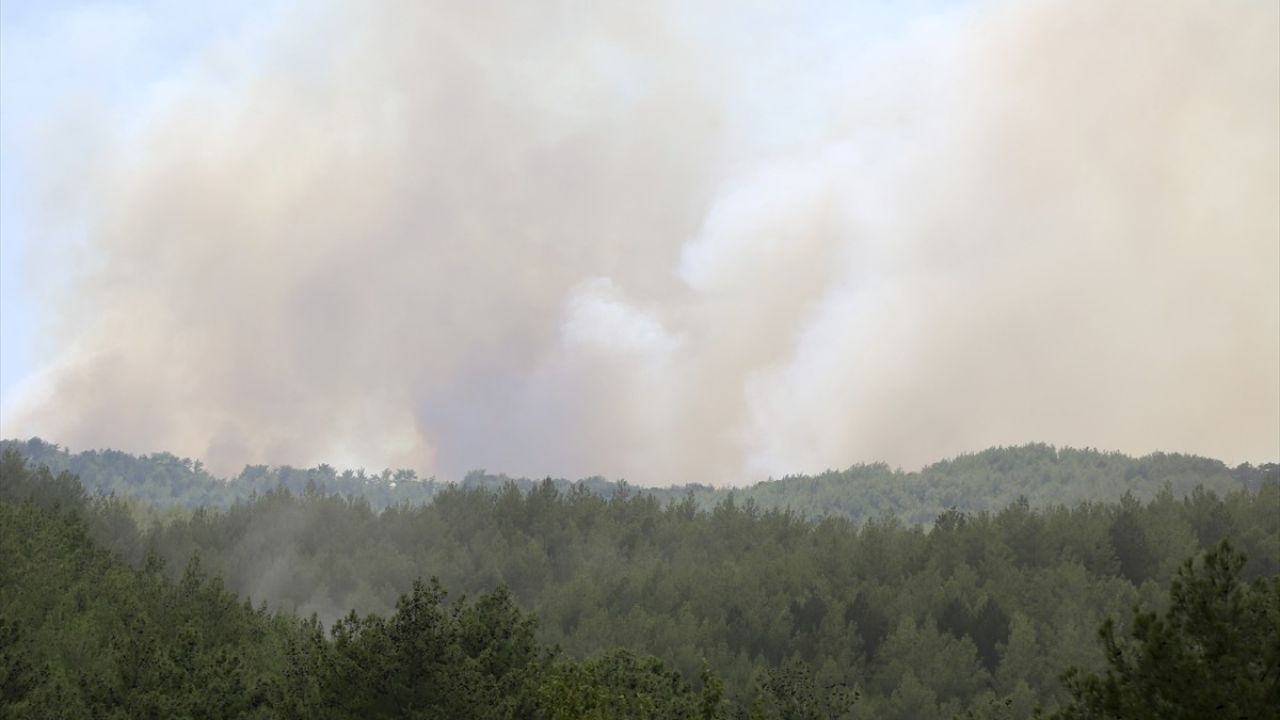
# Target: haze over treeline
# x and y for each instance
(672, 244)
(1038, 475)
(573, 606)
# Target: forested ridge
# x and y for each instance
(988, 480)
(587, 605)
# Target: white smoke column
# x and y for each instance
(686, 245)
(1087, 250)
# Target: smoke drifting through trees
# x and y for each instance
(665, 245)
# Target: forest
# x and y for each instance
(987, 480)
(1112, 587)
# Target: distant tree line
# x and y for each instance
(989, 480)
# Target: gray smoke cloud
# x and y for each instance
(680, 245)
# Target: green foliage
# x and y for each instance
(427, 660)
(164, 480)
(791, 692)
(662, 609)
(746, 589)
(985, 481)
(1215, 652)
(85, 635)
(82, 635)
(618, 685)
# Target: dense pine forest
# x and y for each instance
(593, 599)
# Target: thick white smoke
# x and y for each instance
(683, 245)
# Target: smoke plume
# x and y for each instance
(678, 245)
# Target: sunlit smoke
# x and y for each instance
(678, 246)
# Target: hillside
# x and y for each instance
(84, 636)
(987, 480)
(982, 610)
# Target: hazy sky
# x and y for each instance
(669, 242)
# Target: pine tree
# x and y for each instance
(1214, 653)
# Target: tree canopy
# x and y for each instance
(564, 603)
